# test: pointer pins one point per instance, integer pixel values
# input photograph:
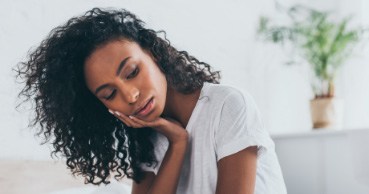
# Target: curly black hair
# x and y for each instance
(96, 144)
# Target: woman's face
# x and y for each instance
(124, 78)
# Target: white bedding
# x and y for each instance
(112, 188)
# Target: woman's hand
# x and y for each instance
(167, 178)
(169, 127)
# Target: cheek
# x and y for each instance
(117, 105)
(156, 76)
(108, 105)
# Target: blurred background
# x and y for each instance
(224, 34)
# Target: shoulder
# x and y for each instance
(161, 145)
(229, 103)
(223, 93)
(230, 97)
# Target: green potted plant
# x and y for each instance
(324, 45)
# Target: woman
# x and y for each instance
(118, 100)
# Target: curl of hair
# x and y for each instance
(95, 144)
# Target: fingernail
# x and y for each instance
(111, 111)
(131, 117)
(117, 113)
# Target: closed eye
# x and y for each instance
(111, 95)
(134, 73)
(130, 76)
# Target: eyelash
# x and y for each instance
(134, 73)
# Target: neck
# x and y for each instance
(180, 106)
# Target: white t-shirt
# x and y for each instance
(224, 121)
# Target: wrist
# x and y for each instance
(179, 144)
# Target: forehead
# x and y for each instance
(108, 53)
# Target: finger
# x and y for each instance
(144, 123)
(125, 120)
(138, 121)
(131, 123)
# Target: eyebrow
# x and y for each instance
(121, 65)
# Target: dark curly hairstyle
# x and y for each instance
(96, 144)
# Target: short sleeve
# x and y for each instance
(161, 145)
(240, 126)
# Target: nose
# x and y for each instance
(130, 94)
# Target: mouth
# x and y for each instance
(146, 108)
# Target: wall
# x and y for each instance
(221, 33)
(329, 162)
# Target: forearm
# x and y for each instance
(167, 178)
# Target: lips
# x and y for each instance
(143, 107)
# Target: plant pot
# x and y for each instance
(326, 113)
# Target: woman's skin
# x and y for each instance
(170, 115)
(139, 80)
(133, 88)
